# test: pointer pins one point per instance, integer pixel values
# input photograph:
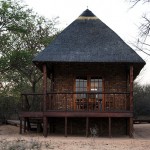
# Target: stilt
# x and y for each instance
(45, 126)
(28, 124)
(87, 126)
(65, 126)
(109, 126)
(20, 125)
(131, 127)
(71, 127)
(25, 125)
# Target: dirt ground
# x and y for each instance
(10, 139)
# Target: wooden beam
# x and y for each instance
(31, 114)
(109, 126)
(87, 114)
(131, 87)
(65, 126)
(87, 126)
(127, 114)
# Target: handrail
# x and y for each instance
(32, 94)
(81, 92)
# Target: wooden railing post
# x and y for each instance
(103, 95)
(27, 105)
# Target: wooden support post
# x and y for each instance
(25, 127)
(44, 87)
(45, 126)
(131, 88)
(20, 125)
(71, 127)
(87, 126)
(65, 126)
(109, 126)
(44, 99)
(131, 127)
(131, 101)
(28, 124)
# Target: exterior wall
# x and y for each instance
(64, 75)
(114, 76)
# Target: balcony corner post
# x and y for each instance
(131, 87)
(44, 99)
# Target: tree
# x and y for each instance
(23, 34)
(144, 36)
(141, 100)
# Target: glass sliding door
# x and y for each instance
(95, 98)
(81, 89)
(88, 95)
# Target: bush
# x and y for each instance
(9, 107)
(141, 100)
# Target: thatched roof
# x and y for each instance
(88, 39)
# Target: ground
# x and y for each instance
(10, 139)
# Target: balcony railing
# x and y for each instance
(77, 101)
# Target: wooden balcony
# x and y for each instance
(104, 100)
(76, 104)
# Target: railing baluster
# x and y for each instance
(65, 102)
(125, 97)
(114, 102)
(87, 109)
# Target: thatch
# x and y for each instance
(88, 39)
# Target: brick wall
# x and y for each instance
(113, 75)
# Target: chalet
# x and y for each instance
(90, 71)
